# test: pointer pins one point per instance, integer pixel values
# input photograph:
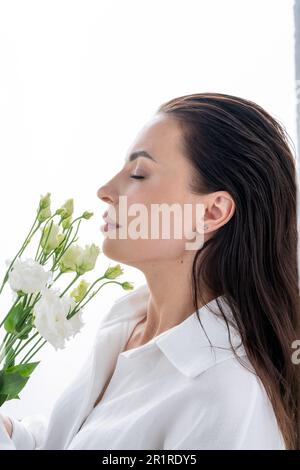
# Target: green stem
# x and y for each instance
(18, 345)
(72, 282)
(31, 349)
(104, 284)
(89, 289)
(75, 220)
(25, 344)
(9, 345)
(4, 342)
(28, 359)
(13, 340)
(55, 279)
(37, 255)
(12, 354)
(28, 302)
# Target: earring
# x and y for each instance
(204, 228)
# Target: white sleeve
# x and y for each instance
(30, 432)
(232, 411)
(5, 441)
(27, 433)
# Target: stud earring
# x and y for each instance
(204, 228)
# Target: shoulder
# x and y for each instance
(230, 379)
(232, 410)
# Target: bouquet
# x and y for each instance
(40, 312)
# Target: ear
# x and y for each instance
(220, 207)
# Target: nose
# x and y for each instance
(104, 195)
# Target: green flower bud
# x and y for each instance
(88, 259)
(20, 293)
(127, 286)
(87, 215)
(66, 210)
(66, 223)
(68, 261)
(50, 238)
(45, 201)
(79, 292)
(79, 259)
(113, 272)
(60, 238)
(44, 214)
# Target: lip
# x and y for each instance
(109, 222)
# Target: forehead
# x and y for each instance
(160, 137)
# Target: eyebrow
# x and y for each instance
(139, 153)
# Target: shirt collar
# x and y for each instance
(185, 345)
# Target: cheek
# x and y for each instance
(146, 239)
(136, 210)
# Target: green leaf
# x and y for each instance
(11, 383)
(16, 317)
(13, 318)
(13, 397)
(23, 369)
(26, 330)
(14, 379)
(3, 399)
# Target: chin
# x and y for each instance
(115, 250)
(125, 252)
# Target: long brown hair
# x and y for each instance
(234, 145)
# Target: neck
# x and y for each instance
(170, 300)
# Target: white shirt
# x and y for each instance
(174, 392)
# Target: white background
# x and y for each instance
(77, 81)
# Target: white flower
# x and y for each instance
(28, 276)
(51, 321)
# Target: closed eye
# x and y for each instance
(137, 176)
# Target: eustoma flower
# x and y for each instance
(50, 317)
(79, 260)
(28, 276)
(40, 312)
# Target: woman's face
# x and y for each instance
(166, 176)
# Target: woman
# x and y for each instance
(199, 357)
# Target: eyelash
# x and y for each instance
(137, 177)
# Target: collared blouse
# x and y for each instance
(177, 391)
